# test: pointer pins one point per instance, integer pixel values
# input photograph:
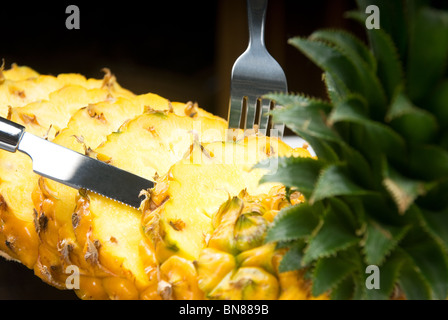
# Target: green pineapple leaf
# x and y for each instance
(331, 60)
(428, 162)
(334, 181)
(305, 118)
(413, 123)
(377, 136)
(428, 51)
(344, 290)
(354, 73)
(330, 272)
(390, 69)
(389, 274)
(293, 257)
(411, 281)
(436, 223)
(293, 223)
(402, 189)
(436, 103)
(333, 235)
(392, 21)
(299, 173)
(380, 240)
(289, 100)
(354, 48)
(430, 260)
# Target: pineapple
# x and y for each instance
(376, 194)
(216, 225)
(100, 232)
(25, 86)
(17, 73)
(44, 118)
(199, 233)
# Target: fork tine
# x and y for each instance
(265, 106)
(251, 107)
(235, 111)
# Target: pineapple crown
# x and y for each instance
(377, 194)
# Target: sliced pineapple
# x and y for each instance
(196, 187)
(44, 118)
(17, 73)
(19, 93)
(102, 236)
(198, 235)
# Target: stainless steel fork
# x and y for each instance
(254, 74)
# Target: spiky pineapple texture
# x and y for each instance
(377, 194)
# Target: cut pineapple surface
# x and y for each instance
(196, 187)
(147, 145)
(18, 93)
(17, 73)
(168, 249)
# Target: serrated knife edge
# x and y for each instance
(71, 168)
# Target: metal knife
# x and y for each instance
(71, 168)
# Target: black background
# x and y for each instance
(173, 48)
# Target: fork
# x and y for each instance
(254, 74)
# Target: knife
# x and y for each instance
(72, 168)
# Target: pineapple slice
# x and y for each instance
(202, 229)
(22, 92)
(17, 180)
(103, 237)
(211, 210)
(196, 187)
(17, 73)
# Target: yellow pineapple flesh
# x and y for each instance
(199, 233)
(102, 228)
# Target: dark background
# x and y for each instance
(181, 50)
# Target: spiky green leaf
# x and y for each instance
(353, 47)
(353, 72)
(336, 89)
(297, 172)
(378, 137)
(380, 240)
(436, 103)
(293, 223)
(334, 181)
(293, 257)
(392, 20)
(344, 290)
(289, 100)
(436, 222)
(431, 261)
(413, 123)
(411, 281)
(333, 235)
(309, 119)
(429, 29)
(428, 162)
(402, 189)
(390, 69)
(331, 60)
(388, 277)
(329, 273)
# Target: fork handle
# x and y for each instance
(256, 13)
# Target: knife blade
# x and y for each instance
(72, 168)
